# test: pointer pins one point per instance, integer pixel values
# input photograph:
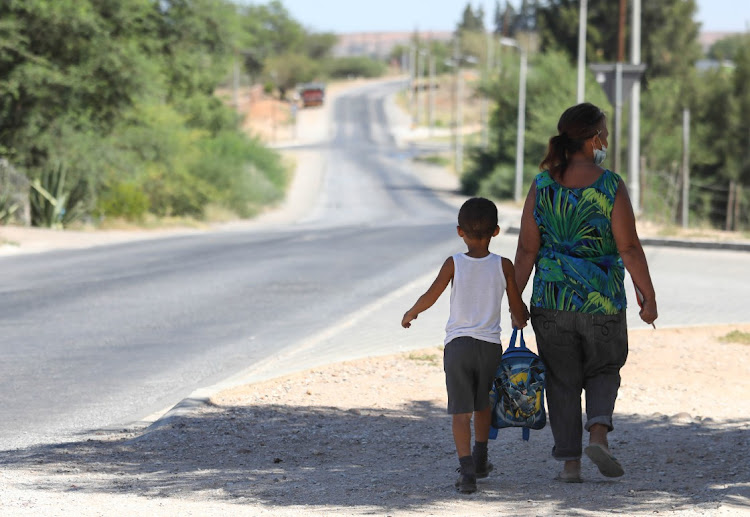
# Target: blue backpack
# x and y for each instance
(517, 396)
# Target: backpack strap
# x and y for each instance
(512, 344)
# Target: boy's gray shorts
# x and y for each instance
(470, 366)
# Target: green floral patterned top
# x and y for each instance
(578, 267)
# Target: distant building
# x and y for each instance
(380, 44)
(707, 39)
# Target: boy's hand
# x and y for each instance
(408, 317)
(520, 323)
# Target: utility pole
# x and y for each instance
(484, 106)
(431, 98)
(685, 166)
(420, 67)
(412, 73)
(621, 32)
(457, 114)
(618, 85)
(582, 20)
(634, 141)
(521, 125)
(459, 122)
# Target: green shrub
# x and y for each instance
(355, 66)
(127, 200)
(243, 173)
(500, 184)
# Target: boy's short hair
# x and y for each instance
(478, 217)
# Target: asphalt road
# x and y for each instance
(102, 337)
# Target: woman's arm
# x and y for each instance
(529, 241)
(519, 313)
(432, 294)
(631, 251)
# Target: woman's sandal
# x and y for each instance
(568, 477)
(607, 464)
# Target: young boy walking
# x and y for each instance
(472, 343)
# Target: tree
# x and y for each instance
(741, 93)
(114, 100)
(670, 33)
(726, 49)
(525, 21)
(289, 69)
(471, 20)
(491, 171)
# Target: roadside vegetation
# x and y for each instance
(714, 86)
(108, 110)
(736, 336)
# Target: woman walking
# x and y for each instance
(578, 233)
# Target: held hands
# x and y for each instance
(523, 321)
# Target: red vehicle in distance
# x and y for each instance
(312, 94)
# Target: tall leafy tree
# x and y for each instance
(471, 20)
(669, 47)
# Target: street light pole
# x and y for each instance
(634, 142)
(582, 20)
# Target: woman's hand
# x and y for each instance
(648, 311)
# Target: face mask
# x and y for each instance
(600, 155)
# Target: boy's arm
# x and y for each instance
(429, 298)
(518, 311)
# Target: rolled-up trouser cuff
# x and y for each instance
(565, 457)
(604, 420)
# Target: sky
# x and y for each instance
(425, 15)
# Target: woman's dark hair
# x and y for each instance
(576, 125)
(478, 217)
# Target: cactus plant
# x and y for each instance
(52, 205)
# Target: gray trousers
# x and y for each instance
(580, 352)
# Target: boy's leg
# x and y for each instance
(462, 434)
(487, 359)
(467, 478)
(482, 422)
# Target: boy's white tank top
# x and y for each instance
(476, 296)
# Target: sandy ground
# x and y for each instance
(371, 437)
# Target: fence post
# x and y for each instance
(685, 166)
(729, 226)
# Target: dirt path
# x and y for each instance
(371, 437)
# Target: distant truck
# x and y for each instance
(312, 94)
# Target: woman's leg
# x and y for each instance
(560, 350)
(606, 349)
